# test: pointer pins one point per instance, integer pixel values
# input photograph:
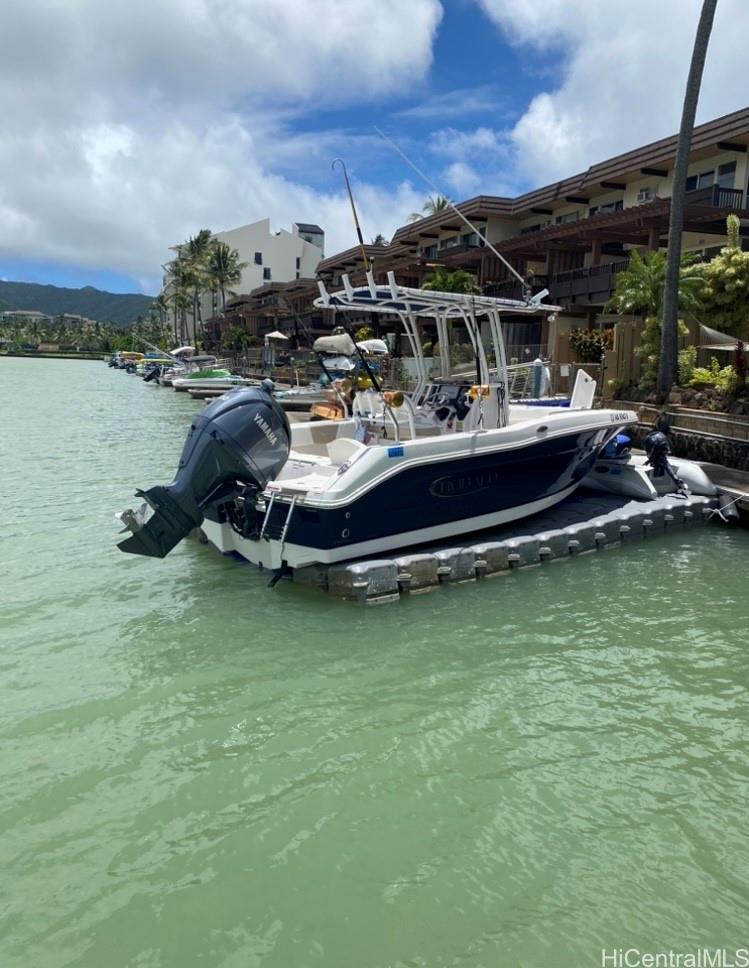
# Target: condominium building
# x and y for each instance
(571, 237)
(574, 236)
(280, 256)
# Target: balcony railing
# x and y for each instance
(591, 285)
(732, 198)
(511, 288)
(459, 249)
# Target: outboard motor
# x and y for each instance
(240, 440)
(657, 449)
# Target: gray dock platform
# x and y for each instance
(584, 522)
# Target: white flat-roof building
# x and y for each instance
(275, 256)
(281, 256)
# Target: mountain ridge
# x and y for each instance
(120, 309)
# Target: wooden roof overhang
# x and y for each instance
(627, 225)
(630, 225)
(727, 133)
(478, 210)
(381, 257)
(343, 260)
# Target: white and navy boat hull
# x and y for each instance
(415, 498)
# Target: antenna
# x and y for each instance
(487, 243)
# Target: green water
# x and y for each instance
(197, 771)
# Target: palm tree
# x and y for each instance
(224, 269)
(197, 251)
(180, 283)
(640, 287)
(443, 281)
(667, 370)
(379, 239)
(433, 204)
(161, 306)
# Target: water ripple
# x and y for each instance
(197, 771)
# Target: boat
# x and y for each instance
(647, 476)
(301, 398)
(183, 364)
(218, 381)
(288, 496)
(200, 378)
(632, 476)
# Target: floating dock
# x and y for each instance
(583, 523)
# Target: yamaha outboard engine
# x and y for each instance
(241, 439)
(657, 449)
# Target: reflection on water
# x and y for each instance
(199, 771)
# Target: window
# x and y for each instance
(703, 180)
(470, 238)
(298, 264)
(449, 242)
(726, 174)
(616, 206)
(266, 272)
(297, 273)
(535, 228)
(258, 258)
(429, 251)
(569, 217)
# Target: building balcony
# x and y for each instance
(717, 197)
(511, 288)
(592, 286)
(452, 250)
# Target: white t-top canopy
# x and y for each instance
(480, 315)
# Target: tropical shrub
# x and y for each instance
(443, 281)
(687, 359)
(650, 349)
(616, 386)
(725, 292)
(723, 378)
(639, 288)
(237, 338)
(590, 344)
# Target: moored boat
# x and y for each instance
(287, 496)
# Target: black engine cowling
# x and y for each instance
(241, 439)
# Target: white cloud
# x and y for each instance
(453, 143)
(621, 78)
(480, 160)
(153, 120)
(458, 103)
(462, 178)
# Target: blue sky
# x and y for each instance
(214, 115)
(476, 78)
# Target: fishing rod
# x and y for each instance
(430, 183)
(365, 363)
(341, 162)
